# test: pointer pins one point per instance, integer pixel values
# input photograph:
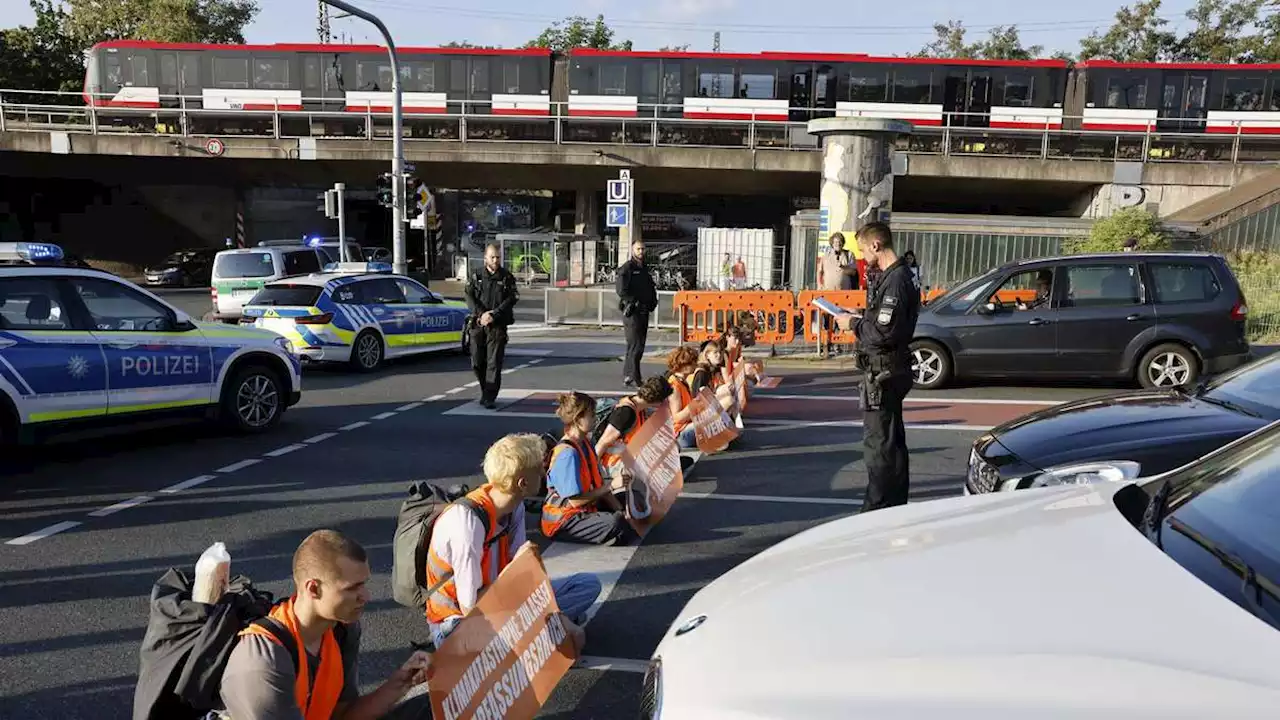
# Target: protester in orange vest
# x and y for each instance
(710, 374)
(681, 364)
(330, 577)
(575, 487)
(475, 551)
(625, 421)
(733, 355)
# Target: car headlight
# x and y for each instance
(1088, 473)
(286, 345)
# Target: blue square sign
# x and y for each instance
(617, 216)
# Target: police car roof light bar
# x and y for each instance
(30, 252)
(357, 267)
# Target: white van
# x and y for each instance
(239, 274)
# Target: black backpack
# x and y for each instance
(604, 408)
(418, 515)
(187, 644)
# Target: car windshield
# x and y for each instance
(275, 295)
(1220, 523)
(1255, 386)
(245, 265)
(964, 294)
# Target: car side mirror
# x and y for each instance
(180, 322)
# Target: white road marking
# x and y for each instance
(473, 383)
(775, 425)
(44, 533)
(773, 499)
(234, 467)
(508, 371)
(528, 352)
(284, 450)
(592, 662)
(519, 329)
(434, 398)
(456, 390)
(320, 438)
(606, 563)
(123, 505)
(354, 426)
(383, 416)
(410, 406)
(534, 362)
(185, 484)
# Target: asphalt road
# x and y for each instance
(75, 602)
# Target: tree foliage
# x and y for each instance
(468, 44)
(42, 56)
(1110, 234)
(1224, 31)
(578, 32)
(1002, 43)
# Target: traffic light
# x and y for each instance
(331, 204)
(412, 201)
(384, 189)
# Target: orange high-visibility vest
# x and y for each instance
(443, 603)
(555, 511)
(318, 702)
(613, 454)
(681, 387)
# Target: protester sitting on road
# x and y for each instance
(710, 374)
(681, 364)
(580, 506)
(625, 421)
(476, 552)
(330, 577)
(733, 346)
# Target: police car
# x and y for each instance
(358, 313)
(81, 347)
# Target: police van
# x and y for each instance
(83, 347)
(239, 273)
(360, 314)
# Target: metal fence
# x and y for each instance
(599, 306)
(475, 121)
(1252, 247)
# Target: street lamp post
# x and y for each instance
(399, 260)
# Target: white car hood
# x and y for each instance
(1039, 603)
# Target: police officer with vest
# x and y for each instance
(637, 298)
(491, 296)
(884, 333)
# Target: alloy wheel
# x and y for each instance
(257, 401)
(926, 365)
(1169, 370)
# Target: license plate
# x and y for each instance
(244, 293)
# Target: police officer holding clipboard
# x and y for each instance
(884, 333)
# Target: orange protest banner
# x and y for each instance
(739, 389)
(712, 425)
(653, 459)
(768, 383)
(507, 655)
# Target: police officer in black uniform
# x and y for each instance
(492, 296)
(884, 333)
(637, 298)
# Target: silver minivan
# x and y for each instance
(239, 274)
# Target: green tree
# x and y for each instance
(674, 48)
(41, 56)
(210, 21)
(578, 32)
(1138, 35)
(468, 44)
(1110, 234)
(1221, 33)
(1002, 43)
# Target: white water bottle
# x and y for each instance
(213, 574)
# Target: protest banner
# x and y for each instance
(712, 424)
(506, 656)
(739, 391)
(767, 382)
(653, 459)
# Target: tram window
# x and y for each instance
(231, 72)
(458, 76)
(511, 76)
(271, 74)
(168, 70)
(140, 75)
(1275, 92)
(1126, 93)
(649, 79)
(373, 75)
(868, 87)
(311, 73)
(672, 83)
(333, 76)
(823, 83)
(913, 85)
(1242, 93)
(1018, 89)
(758, 86)
(613, 79)
(479, 76)
(113, 71)
(715, 83)
(426, 77)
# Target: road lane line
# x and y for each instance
(285, 450)
(592, 662)
(410, 406)
(185, 484)
(606, 563)
(527, 352)
(456, 390)
(123, 505)
(354, 426)
(473, 383)
(44, 533)
(234, 467)
(775, 425)
(383, 416)
(320, 438)
(773, 499)
(535, 362)
(435, 398)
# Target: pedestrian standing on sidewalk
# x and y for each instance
(637, 298)
(491, 295)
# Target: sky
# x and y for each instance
(869, 26)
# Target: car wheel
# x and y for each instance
(367, 351)
(1167, 366)
(930, 365)
(253, 401)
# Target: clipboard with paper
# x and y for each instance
(831, 308)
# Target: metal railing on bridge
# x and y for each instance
(960, 134)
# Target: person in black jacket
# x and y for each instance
(637, 298)
(492, 296)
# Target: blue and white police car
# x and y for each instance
(83, 347)
(358, 313)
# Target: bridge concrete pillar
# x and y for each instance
(857, 174)
(586, 213)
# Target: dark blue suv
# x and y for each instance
(1162, 319)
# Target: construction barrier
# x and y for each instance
(768, 317)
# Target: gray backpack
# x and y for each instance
(418, 515)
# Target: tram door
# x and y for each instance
(966, 98)
(650, 96)
(824, 92)
(1183, 102)
(801, 98)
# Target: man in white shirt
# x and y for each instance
(479, 535)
